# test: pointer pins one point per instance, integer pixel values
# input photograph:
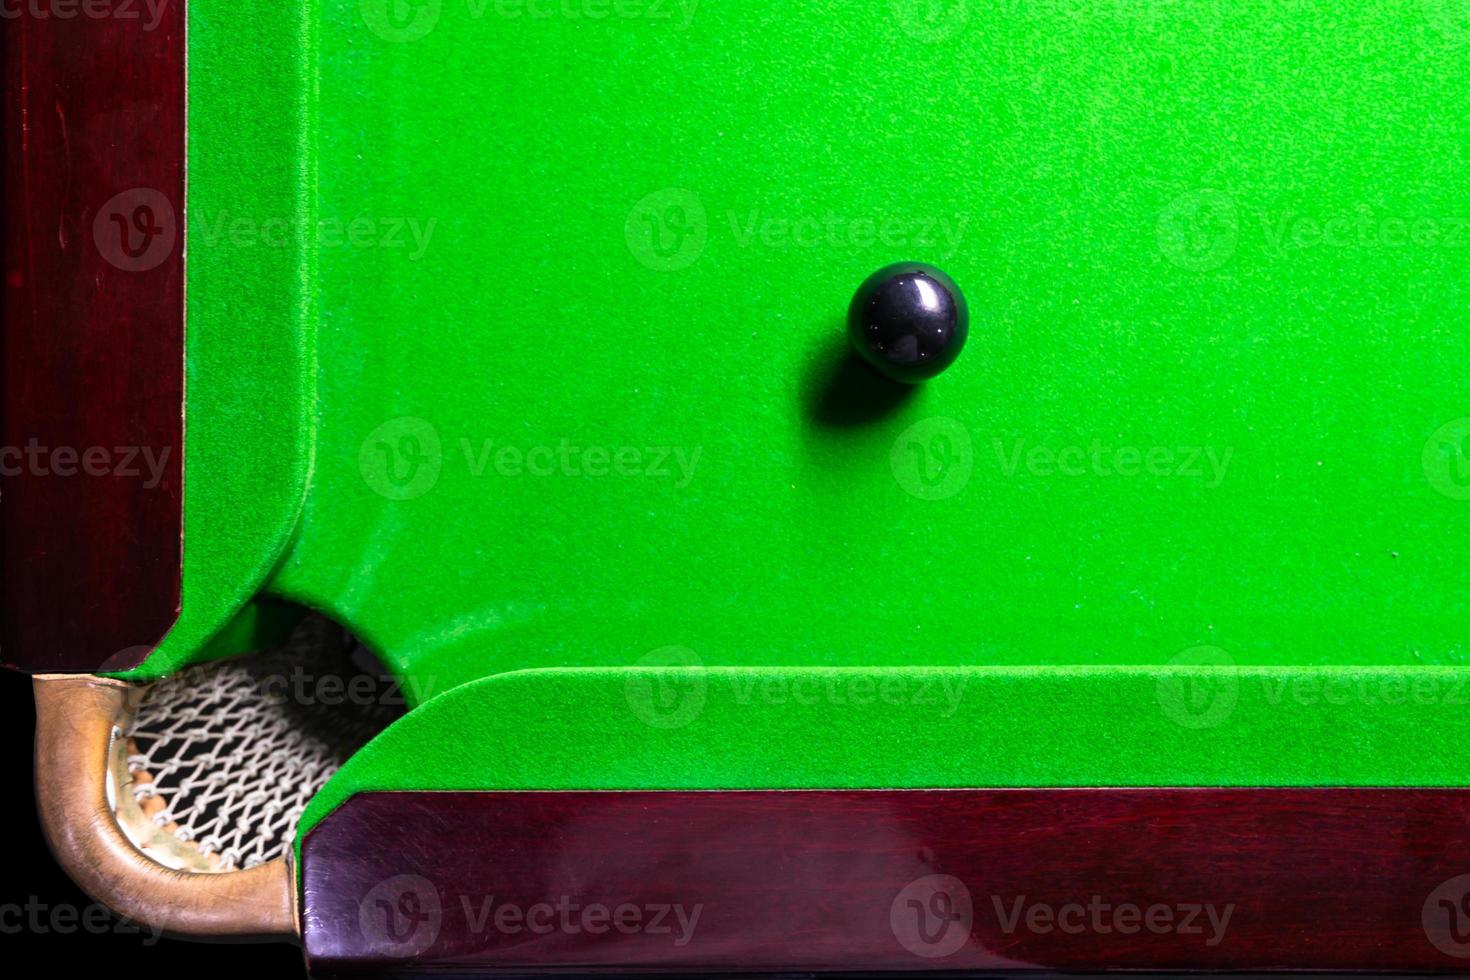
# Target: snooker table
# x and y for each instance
(509, 335)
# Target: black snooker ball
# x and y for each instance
(909, 321)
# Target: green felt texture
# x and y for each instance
(261, 625)
(1184, 228)
(250, 338)
(923, 728)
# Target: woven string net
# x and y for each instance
(225, 756)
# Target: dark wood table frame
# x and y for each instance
(961, 881)
(91, 334)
